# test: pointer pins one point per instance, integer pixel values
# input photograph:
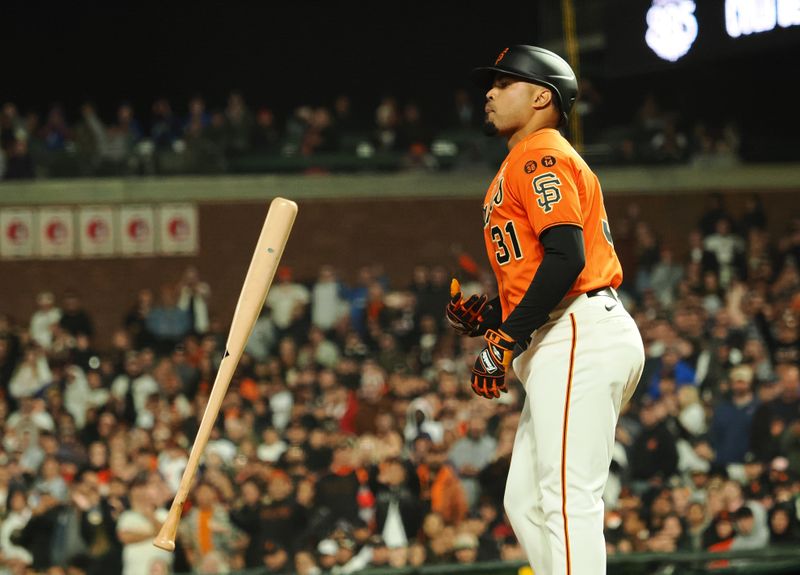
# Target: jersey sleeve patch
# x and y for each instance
(547, 188)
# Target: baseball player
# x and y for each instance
(557, 320)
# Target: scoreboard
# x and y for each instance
(652, 35)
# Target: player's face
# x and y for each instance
(508, 105)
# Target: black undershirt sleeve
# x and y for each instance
(563, 261)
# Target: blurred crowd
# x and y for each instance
(236, 136)
(349, 437)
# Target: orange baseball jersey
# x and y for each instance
(543, 182)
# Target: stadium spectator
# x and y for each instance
(471, 454)
(342, 491)
(732, 418)
(729, 249)
(672, 365)
(239, 124)
(776, 411)
(167, 321)
(319, 136)
(120, 141)
(789, 243)
(669, 143)
(46, 316)
(266, 132)
(665, 277)
(165, 128)
(414, 137)
(288, 301)
(193, 298)
(137, 526)
(135, 319)
(16, 516)
(39, 534)
(387, 120)
(32, 375)
(465, 547)
(132, 387)
(699, 255)
(74, 317)
(198, 116)
(783, 526)
(305, 563)
(97, 525)
(327, 305)
(648, 250)
(653, 453)
(441, 490)
(276, 558)
(752, 529)
(398, 510)
(19, 163)
(55, 133)
(207, 528)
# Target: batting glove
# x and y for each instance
(464, 316)
(489, 372)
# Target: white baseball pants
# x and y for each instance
(579, 369)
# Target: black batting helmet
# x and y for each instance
(538, 66)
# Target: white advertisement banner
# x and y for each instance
(178, 233)
(56, 233)
(137, 230)
(96, 231)
(17, 236)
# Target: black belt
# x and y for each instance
(607, 291)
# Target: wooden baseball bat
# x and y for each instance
(271, 242)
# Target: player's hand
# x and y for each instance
(489, 372)
(464, 316)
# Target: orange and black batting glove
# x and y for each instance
(489, 372)
(464, 316)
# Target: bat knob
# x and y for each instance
(164, 543)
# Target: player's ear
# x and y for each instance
(542, 97)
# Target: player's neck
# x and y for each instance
(536, 123)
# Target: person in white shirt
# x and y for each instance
(136, 529)
(287, 299)
(327, 305)
(46, 316)
(77, 395)
(14, 556)
(32, 374)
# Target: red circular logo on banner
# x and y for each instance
(97, 230)
(178, 228)
(138, 229)
(56, 232)
(17, 232)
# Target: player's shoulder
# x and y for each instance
(544, 151)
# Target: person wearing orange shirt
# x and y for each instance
(556, 321)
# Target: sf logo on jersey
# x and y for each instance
(546, 187)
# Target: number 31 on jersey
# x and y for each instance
(502, 240)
